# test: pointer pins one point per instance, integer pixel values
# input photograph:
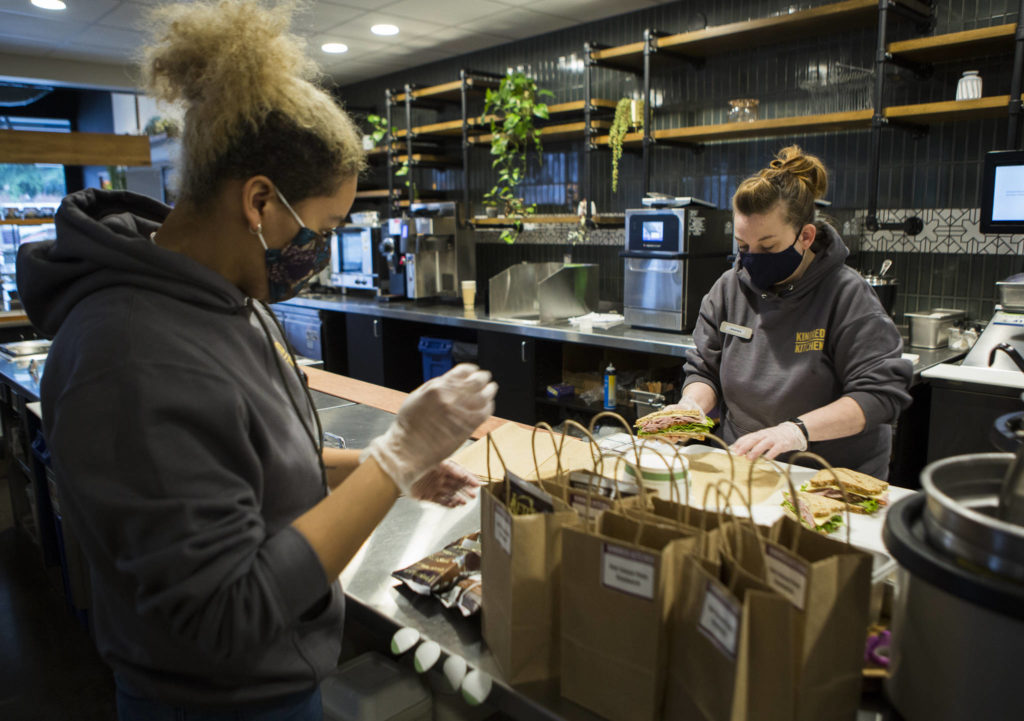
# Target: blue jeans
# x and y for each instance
(305, 706)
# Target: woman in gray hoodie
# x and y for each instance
(791, 344)
(187, 449)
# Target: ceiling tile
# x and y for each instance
(76, 12)
(128, 16)
(34, 28)
(362, 4)
(455, 12)
(515, 23)
(323, 16)
(116, 39)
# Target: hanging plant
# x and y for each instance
(512, 108)
(629, 114)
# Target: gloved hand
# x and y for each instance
(432, 422)
(685, 403)
(770, 442)
(447, 484)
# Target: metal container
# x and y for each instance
(930, 329)
(1011, 294)
(958, 613)
(885, 289)
(646, 401)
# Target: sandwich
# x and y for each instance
(674, 424)
(816, 511)
(866, 494)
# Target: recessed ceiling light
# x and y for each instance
(384, 29)
(50, 4)
(334, 48)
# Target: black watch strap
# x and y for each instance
(803, 429)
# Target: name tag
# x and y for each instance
(740, 331)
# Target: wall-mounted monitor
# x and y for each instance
(1002, 192)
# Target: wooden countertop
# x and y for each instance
(376, 396)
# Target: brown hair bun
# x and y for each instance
(794, 178)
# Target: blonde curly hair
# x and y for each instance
(794, 178)
(253, 100)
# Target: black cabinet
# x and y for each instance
(364, 343)
(962, 415)
(521, 366)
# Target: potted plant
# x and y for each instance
(629, 115)
(512, 108)
(378, 130)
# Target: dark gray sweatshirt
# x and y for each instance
(183, 446)
(818, 339)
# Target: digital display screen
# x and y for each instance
(1002, 192)
(653, 231)
(1008, 193)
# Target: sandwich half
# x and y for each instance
(866, 493)
(817, 512)
(676, 424)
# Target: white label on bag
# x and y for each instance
(629, 571)
(720, 619)
(503, 528)
(787, 574)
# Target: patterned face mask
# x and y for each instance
(289, 268)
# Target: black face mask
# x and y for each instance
(767, 269)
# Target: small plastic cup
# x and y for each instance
(468, 294)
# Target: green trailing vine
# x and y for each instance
(621, 124)
(512, 108)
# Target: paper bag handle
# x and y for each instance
(622, 421)
(508, 490)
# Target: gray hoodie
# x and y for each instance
(184, 445)
(820, 338)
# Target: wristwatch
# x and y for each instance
(803, 429)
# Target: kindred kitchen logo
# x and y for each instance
(813, 340)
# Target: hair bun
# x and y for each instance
(807, 168)
(234, 53)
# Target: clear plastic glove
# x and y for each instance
(685, 403)
(770, 442)
(432, 422)
(447, 484)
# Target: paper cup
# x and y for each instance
(468, 293)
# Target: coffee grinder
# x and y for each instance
(396, 233)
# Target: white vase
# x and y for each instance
(969, 87)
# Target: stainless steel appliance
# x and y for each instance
(672, 257)
(544, 292)
(438, 255)
(353, 258)
(958, 609)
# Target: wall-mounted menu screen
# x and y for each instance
(1002, 192)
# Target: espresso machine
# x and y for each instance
(437, 252)
(676, 248)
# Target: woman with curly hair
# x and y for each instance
(791, 344)
(187, 449)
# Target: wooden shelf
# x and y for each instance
(426, 159)
(852, 120)
(367, 194)
(567, 219)
(991, 107)
(27, 221)
(448, 91)
(993, 40)
(820, 20)
(555, 132)
(29, 146)
(453, 128)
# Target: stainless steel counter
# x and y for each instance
(621, 337)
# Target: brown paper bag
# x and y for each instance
(830, 583)
(520, 567)
(733, 644)
(619, 583)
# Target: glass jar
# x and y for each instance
(743, 110)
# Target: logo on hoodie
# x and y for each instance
(812, 340)
(283, 352)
